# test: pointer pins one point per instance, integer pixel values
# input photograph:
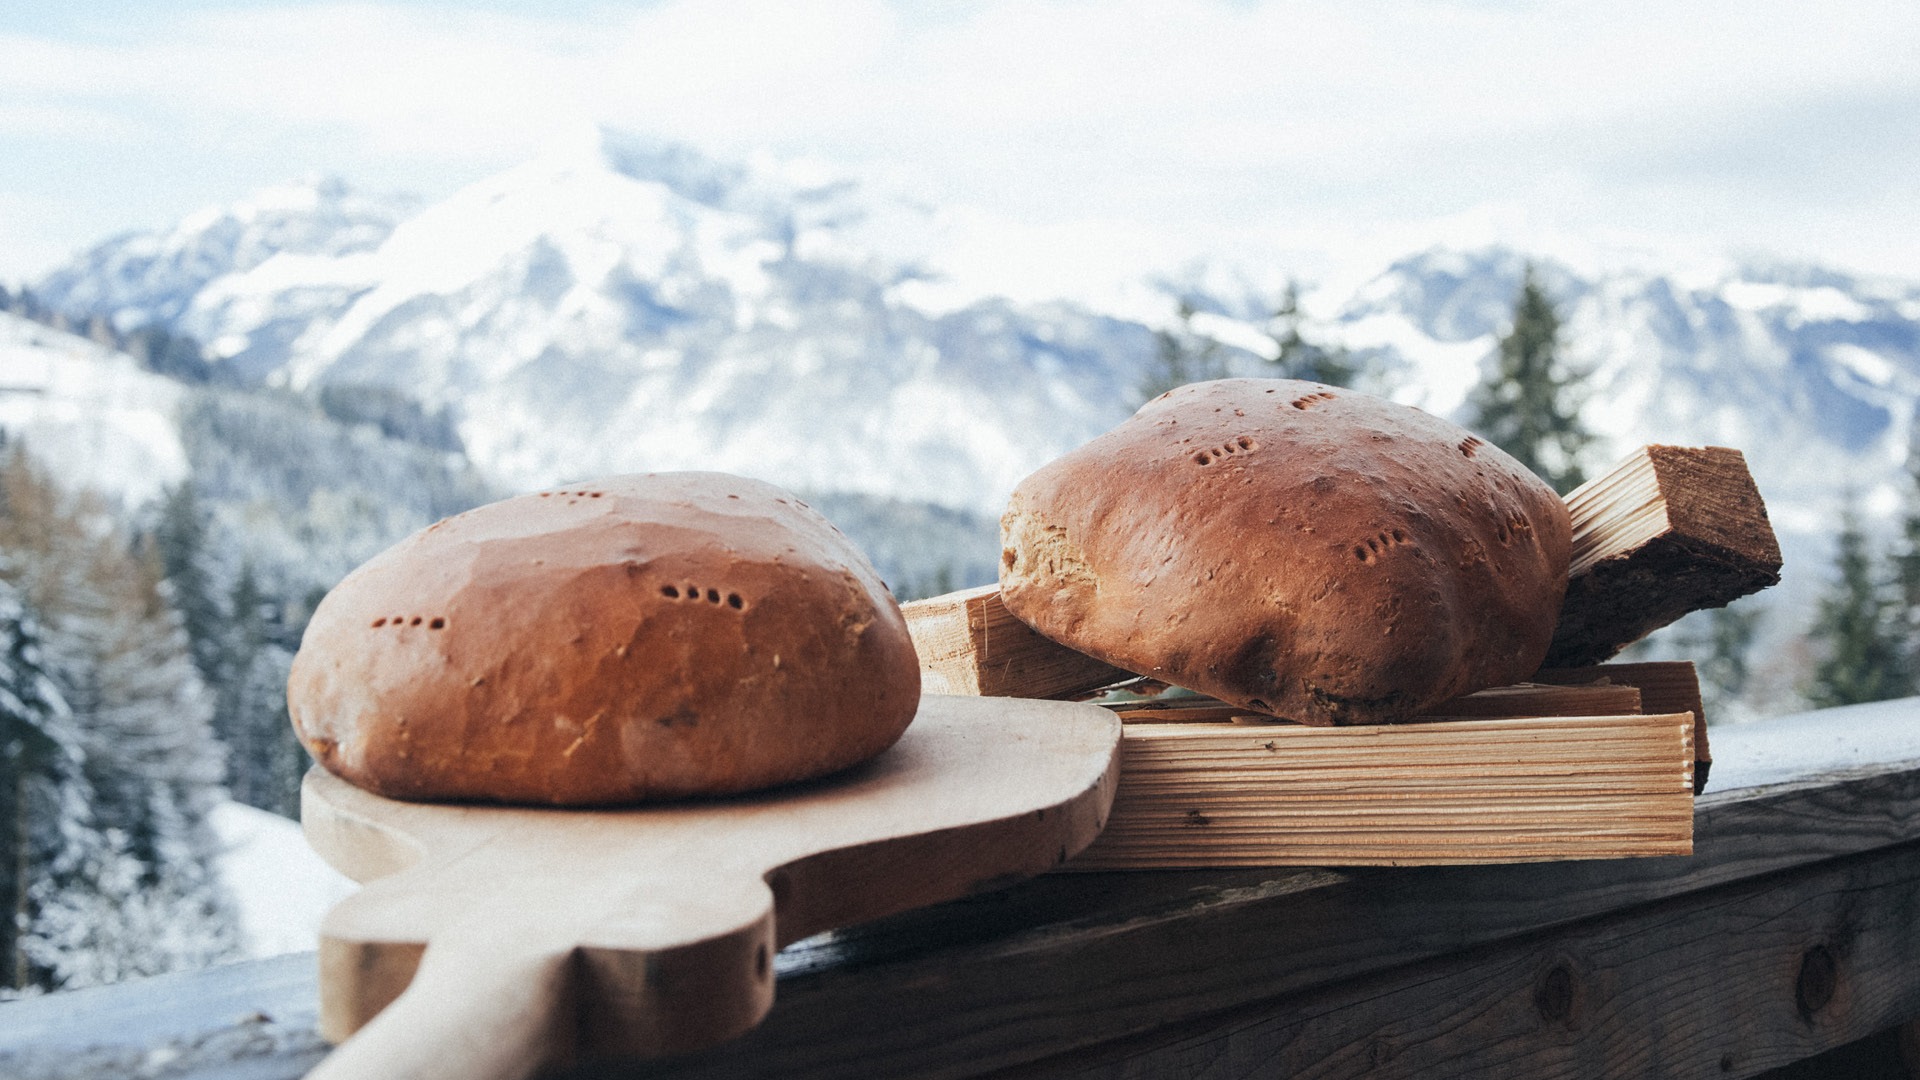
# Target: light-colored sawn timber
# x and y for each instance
(1463, 791)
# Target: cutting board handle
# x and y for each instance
(519, 978)
(494, 943)
(479, 1007)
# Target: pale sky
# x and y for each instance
(1119, 132)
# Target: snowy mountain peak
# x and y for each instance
(303, 216)
(153, 277)
(678, 167)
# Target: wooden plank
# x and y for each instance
(1669, 530)
(969, 643)
(1509, 789)
(1597, 698)
(1664, 685)
(1534, 699)
(1727, 982)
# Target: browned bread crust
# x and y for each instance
(628, 639)
(1293, 548)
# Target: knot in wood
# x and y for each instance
(1553, 996)
(1819, 977)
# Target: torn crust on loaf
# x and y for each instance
(634, 638)
(1297, 549)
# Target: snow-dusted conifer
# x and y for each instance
(181, 538)
(135, 891)
(264, 759)
(38, 755)
(1527, 404)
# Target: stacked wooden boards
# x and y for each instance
(1599, 768)
(1463, 791)
(1511, 774)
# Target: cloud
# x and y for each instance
(1206, 120)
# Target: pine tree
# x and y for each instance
(1298, 358)
(181, 537)
(163, 352)
(35, 749)
(1906, 558)
(265, 761)
(1526, 405)
(1181, 356)
(1858, 629)
(133, 891)
(1725, 648)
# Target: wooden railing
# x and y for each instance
(1793, 928)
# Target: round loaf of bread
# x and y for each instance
(629, 639)
(1300, 550)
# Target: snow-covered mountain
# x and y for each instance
(178, 277)
(623, 304)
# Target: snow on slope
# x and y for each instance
(280, 888)
(91, 414)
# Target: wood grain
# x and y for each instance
(1664, 686)
(1726, 982)
(497, 942)
(1668, 531)
(1598, 697)
(1508, 789)
(969, 643)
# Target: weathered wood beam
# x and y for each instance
(1668, 531)
(1729, 982)
(1072, 961)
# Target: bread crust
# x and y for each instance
(628, 639)
(1293, 548)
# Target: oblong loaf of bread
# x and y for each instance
(628, 639)
(1296, 549)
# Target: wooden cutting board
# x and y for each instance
(499, 942)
